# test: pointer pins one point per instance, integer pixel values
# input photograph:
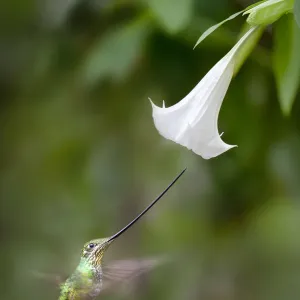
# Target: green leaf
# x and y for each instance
(172, 15)
(287, 61)
(247, 46)
(261, 5)
(216, 26)
(115, 54)
(268, 12)
(297, 11)
(255, 5)
(260, 13)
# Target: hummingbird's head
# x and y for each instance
(93, 250)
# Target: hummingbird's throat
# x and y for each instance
(98, 253)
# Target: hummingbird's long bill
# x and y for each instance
(146, 209)
(87, 280)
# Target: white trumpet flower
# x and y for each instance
(193, 122)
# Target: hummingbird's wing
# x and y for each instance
(51, 278)
(122, 271)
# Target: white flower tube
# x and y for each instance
(193, 122)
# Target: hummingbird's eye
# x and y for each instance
(91, 246)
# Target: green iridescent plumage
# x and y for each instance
(80, 283)
(86, 281)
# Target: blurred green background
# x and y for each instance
(80, 155)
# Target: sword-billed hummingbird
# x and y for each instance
(87, 280)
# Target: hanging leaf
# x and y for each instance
(287, 61)
(172, 15)
(297, 11)
(216, 26)
(268, 12)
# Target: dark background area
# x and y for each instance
(80, 155)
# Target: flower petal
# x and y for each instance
(192, 122)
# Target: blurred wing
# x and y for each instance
(122, 271)
(51, 278)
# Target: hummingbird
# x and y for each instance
(87, 282)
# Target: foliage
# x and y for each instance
(287, 61)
